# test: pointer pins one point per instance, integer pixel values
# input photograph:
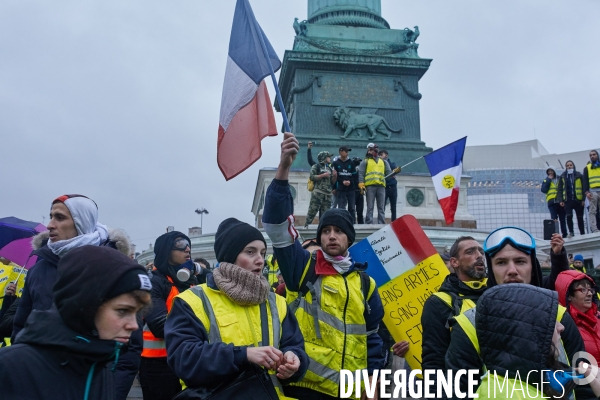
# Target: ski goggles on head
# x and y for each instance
(181, 244)
(516, 237)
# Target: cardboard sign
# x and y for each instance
(407, 270)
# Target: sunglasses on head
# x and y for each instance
(181, 244)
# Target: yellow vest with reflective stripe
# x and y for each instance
(467, 304)
(467, 323)
(375, 172)
(552, 191)
(228, 322)
(273, 270)
(578, 189)
(337, 339)
(593, 176)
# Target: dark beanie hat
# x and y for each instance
(89, 276)
(337, 217)
(231, 238)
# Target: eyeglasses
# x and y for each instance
(517, 237)
(585, 291)
(181, 244)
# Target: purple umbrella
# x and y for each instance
(15, 240)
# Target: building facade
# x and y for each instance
(505, 185)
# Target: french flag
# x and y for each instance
(445, 166)
(395, 249)
(246, 112)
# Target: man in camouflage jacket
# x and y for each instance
(324, 177)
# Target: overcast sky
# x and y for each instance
(119, 100)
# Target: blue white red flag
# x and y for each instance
(407, 270)
(246, 111)
(445, 166)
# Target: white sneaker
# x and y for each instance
(570, 235)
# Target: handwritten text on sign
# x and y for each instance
(403, 298)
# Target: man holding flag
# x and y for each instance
(336, 303)
(445, 166)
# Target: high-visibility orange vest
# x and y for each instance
(153, 346)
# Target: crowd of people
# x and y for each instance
(90, 319)
(574, 191)
(343, 183)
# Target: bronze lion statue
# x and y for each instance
(351, 122)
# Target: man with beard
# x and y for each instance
(338, 308)
(458, 293)
(511, 258)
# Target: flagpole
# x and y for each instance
(266, 54)
(405, 165)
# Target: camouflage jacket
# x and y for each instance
(324, 186)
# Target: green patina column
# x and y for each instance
(350, 79)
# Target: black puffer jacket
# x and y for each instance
(462, 355)
(53, 361)
(436, 334)
(515, 324)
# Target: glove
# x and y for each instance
(397, 170)
(362, 188)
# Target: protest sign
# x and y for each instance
(9, 273)
(407, 270)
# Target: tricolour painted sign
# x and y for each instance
(407, 270)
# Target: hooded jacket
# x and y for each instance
(564, 183)
(57, 355)
(587, 323)
(558, 263)
(37, 294)
(462, 355)
(546, 185)
(434, 319)
(161, 286)
(520, 310)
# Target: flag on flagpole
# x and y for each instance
(246, 112)
(445, 166)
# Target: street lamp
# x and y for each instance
(201, 211)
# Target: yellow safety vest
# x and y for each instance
(273, 270)
(583, 269)
(593, 176)
(228, 322)
(467, 323)
(552, 191)
(467, 304)
(331, 318)
(375, 172)
(578, 189)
